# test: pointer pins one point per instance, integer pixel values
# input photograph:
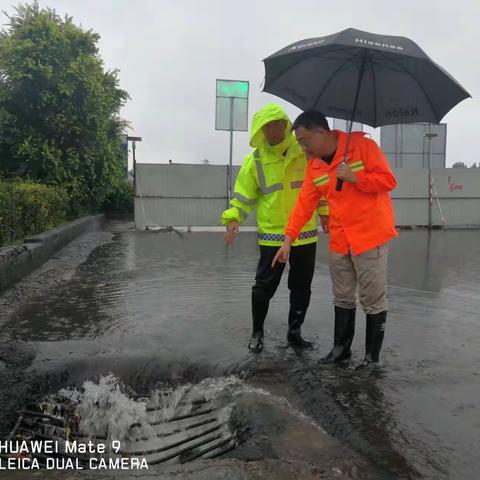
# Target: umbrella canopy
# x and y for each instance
(373, 79)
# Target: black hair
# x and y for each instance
(310, 120)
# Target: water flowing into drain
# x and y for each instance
(174, 425)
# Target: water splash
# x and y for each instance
(163, 403)
(106, 410)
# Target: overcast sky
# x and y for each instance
(169, 53)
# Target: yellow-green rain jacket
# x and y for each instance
(270, 179)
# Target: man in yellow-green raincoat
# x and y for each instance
(269, 180)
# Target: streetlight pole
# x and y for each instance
(134, 140)
(429, 137)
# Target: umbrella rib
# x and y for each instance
(327, 83)
(403, 69)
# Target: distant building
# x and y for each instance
(407, 146)
(339, 124)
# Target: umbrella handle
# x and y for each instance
(339, 185)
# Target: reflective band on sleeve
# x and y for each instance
(243, 199)
(322, 180)
(356, 166)
(243, 213)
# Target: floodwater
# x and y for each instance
(168, 308)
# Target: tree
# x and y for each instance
(59, 108)
(459, 165)
(474, 165)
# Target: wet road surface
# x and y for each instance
(169, 308)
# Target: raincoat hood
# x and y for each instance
(270, 112)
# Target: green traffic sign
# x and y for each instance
(232, 88)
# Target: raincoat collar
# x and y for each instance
(342, 142)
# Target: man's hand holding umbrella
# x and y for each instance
(344, 173)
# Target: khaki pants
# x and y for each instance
(368, 271)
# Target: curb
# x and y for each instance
(19, 261)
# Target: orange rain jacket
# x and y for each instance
(361, 215)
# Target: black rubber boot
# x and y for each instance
(373, 338)
(256, 342)
(259, 312)
(294, 335)
(343, 335)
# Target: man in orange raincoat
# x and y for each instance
(361, 225)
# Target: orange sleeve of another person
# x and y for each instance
(377, 176)
(307, 202)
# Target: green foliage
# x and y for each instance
(120, 199)
(27, 208)
(59, 108)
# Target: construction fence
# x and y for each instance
(195, 195)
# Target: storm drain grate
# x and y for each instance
(196, 429)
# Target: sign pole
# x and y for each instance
(230, 164)
(231, 94)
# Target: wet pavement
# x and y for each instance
(169, 308)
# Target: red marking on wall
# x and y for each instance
(452, 186)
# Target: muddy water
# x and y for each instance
(167, 308)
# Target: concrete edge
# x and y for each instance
(249, 228)
(20, 260)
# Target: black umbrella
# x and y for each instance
(355, 75)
